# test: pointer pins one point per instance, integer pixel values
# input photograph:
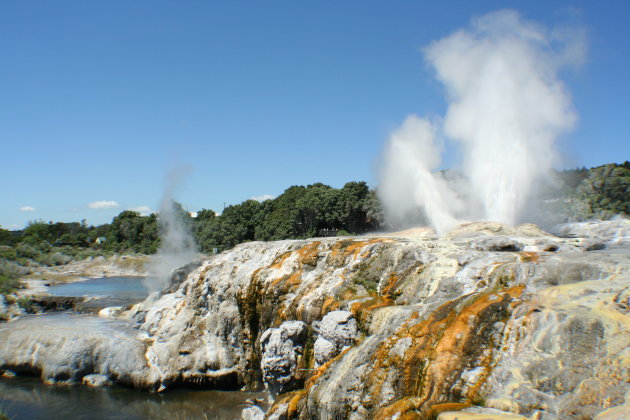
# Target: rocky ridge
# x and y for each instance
(490, 319)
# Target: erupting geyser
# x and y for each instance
(506, 108)
(177, 246)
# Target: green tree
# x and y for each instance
(605, 193)
(280, 219)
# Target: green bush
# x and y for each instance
(11, 269)
(27, 251)
(26, 304)
(53, 258)
(8, 285)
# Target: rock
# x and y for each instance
(56, 303)
(65, 348)
(538, 334)
(497, 243)
(324, 350)
(252, 413)
(615, 232)
(180, 274)
(96, 380)
(476, 229)
(281, 348)
(593, 245)
(278, 412)
(111, 312)
(337, 330)
(618, 412)
(480, 413)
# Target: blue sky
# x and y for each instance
(99, 100)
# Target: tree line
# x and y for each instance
(299, 212)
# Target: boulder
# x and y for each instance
(96, 380)
(252, 413)
(281, 347)
(179, 275)
(497, 243)
(337, 331)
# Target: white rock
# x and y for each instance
(324, 350)
(111, 312)
(252, 413)
(280, 350)
(96, 380)
(337, 330)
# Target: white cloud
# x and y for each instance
(103, 205)
(261, 198)
(143, 210)
(27, 208)
(193, 214)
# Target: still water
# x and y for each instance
(105, 291)
(112, 287)
(29, 398)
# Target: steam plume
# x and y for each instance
(506, 109)
(177, 246)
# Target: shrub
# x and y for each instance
(26, 304)
(8, 285)
(54, 258)
(11, 269)
(27, 251)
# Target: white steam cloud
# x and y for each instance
(177, 247)
(27, 208)
(506, 108)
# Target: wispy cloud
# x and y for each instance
(143, 210)
(27, 208)
(103, 205)
(261, 198)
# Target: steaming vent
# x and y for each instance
(506, 109)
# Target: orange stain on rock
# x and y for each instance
(392, 281)
(343, 249)
(527, 256)
(442, 347)
(309, 254)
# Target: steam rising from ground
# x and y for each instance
(506, 109)
(177, 246)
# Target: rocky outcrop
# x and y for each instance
(337, 332)
(281, 350)
(179, 275)
(70, 348)
(489, 320)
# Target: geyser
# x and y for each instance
(506, 108)
(177, 246)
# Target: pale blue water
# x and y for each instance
(112, 287)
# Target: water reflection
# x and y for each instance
(27, 398)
